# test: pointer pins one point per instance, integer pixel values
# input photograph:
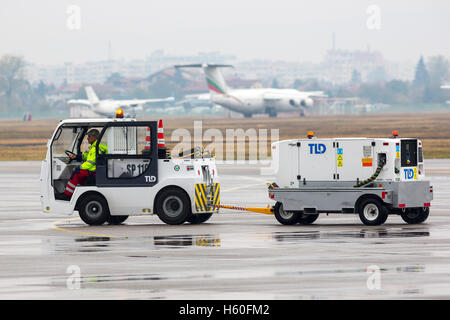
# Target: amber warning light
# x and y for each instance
(119, 113)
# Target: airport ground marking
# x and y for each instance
(85, 233)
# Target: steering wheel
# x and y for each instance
(69, 153)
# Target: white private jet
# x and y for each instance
(253, 101)
(108, 107)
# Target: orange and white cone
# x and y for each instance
(161, 142)
(147, 140)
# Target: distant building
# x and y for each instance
(338, 65)
(97, 72)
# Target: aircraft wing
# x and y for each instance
(136, 102)
(316, 94)
(200, 96)
(278, 95)
(83, 102)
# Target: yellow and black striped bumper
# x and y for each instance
(207, 199)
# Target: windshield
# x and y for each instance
(64, 140)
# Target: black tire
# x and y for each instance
(308, 218)
(198, 218)
(285, 217)
(372, 212)
(115, 220)
(415, 215)
(173, 206)
(93, 210)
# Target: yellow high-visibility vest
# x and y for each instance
(89, 157)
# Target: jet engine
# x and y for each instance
(307, 102)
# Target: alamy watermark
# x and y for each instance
(73, 281)
(228, 146)
(73, 21)
(374, 280)
(373, 21)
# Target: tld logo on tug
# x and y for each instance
(317, 148)
(410, 174)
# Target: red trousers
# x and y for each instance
(78, 178)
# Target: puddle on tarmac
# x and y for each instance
(177, 241)
(402, 269)
(243, 274)
(356, 234)
(106, 244)
(121, 278)
(235, 240)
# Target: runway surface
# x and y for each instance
(234, 255)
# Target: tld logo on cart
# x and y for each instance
(317, 148)
(410, 174)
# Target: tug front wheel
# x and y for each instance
(115, 220)
(285, 217)
(372, 212)
(93, 209)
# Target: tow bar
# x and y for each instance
(267, 210)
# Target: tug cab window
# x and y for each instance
(408, 153)
(128, 151)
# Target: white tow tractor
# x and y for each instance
(135, 177)
(372, 177)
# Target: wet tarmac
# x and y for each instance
(234, 255)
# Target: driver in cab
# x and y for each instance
(87, 168)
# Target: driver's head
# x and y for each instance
(92, 135)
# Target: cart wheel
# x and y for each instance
(285, 217)
(308, 218)
(173, 206)
(198, 218)
(94, 210)
(116, 219)
(415, 215)
(372, 212)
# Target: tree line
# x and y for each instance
(17, 95)
(425, 88)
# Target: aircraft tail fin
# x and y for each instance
(90, 93)
(214, 78)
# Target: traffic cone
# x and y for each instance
(162, 151)
(147, 140)
(161, 142)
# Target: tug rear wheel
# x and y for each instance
(198, 218)
(415, 215)
(173, 206)
(285, 217)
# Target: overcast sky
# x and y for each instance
(47, 32)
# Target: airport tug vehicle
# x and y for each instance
(372, 177)
(135, 177)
